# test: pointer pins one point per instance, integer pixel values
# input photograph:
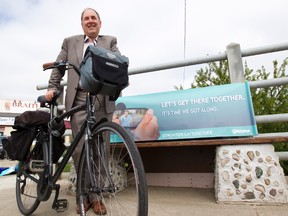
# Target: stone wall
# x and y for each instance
(249, 173)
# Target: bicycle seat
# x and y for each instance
(42, 99)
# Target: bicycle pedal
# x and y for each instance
(61, 205)
(36, 165)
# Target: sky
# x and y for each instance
(149, 32)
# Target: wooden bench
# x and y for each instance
(260, 139)
(170, 162)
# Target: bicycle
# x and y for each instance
(36, 177)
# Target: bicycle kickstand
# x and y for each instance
(60, 205)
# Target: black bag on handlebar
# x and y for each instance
(104, 72)
(26, 127)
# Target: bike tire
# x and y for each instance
(118, 173)
(27, 180)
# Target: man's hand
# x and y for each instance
(49, 95)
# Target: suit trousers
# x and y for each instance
(78, 118)
(76, 122)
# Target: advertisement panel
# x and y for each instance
(215, 111)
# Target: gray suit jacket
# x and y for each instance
(72, 51)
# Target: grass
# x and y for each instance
(67, 167)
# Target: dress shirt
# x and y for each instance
(87, 42)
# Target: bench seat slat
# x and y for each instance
(214, 141)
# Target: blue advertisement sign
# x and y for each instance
(215, 111)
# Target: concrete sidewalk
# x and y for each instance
(163, 201)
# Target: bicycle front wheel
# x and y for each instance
(117, 173)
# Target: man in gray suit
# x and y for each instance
(72, 50)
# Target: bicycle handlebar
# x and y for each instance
(63, 65)
(48, 65)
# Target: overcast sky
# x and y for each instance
(149, 32)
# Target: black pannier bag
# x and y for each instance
(26, 127)
(31, 119)
(18, 144)
(104, 72)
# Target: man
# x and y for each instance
(126, 119)
(72, 50)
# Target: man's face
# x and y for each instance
(91, 24)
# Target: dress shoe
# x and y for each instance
(87, 206)
(99, 208)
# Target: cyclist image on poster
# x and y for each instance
(126, 119)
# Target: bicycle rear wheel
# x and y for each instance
(118, 174)
(27, 179)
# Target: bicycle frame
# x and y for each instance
(89, 122)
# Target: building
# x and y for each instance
(9, 109)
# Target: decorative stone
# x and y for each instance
(257, 153)
(268, 159)
(251, 155)
(268, 171)
(236, 165)
(244, 186)
(249, 195)
(225, 176)
(245, 161)
(271, 170)
(275, 183)
(248, 168)
(237, 175)
(229, 193)
(248, 178)
(262, 196)
(260, 188)
(273, 192)
(267, 181)
(225, 152)
(235, 157)
(260, 160)
(238, 192)
(236, 184)
(224, 161)
(238, 151)
(259, 172)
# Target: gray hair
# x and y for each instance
(89, 9)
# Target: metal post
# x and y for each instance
(235, 64)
